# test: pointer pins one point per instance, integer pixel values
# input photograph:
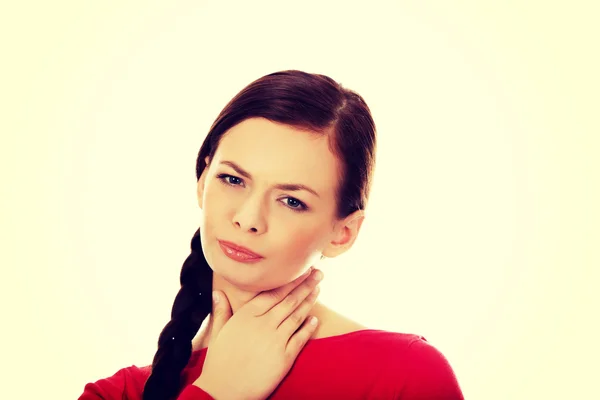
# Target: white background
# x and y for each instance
(482, 231)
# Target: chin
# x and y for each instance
(247, 285)
(244, 277)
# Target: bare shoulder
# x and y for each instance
(332, 323)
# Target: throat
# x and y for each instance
(331, 323)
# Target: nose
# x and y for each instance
(249, 218)
(252, 229)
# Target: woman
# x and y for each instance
(283, 181)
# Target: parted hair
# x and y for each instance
(312, 102)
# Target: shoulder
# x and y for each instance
(126, 383)
(424, 370)
(376, 338)
(366, 346)
(411, 367)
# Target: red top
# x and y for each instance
(366, 364)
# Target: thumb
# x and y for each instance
(221, 312)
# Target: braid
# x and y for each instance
(192, 305)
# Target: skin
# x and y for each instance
(254, 213)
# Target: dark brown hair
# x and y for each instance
(312, 102)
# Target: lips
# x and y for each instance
(241, 249)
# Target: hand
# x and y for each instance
(251, 352)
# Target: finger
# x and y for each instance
(264, 301)
(221, 313)
(291, 324)
(292, 301)
(300, 338)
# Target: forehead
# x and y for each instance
(280, 153)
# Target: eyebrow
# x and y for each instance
(282, 186)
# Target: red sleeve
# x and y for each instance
(193, 392)
(430, 376)
(128, 383)
(122, 384)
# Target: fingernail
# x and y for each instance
(317, 276)
(216, 297)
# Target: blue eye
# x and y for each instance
(292, 203)
(297, 204)
(230, 179)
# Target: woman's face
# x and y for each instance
(243, 201)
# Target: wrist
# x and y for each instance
(202, 384)
(217, 393)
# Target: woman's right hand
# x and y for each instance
(251, 352)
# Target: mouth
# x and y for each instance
(238, 253)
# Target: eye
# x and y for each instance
(295, 204)
(230, 179)
(291, 203)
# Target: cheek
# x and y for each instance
(289, 256)
(298, 246)
(211, 212)
(213, 201)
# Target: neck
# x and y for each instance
(236, 298)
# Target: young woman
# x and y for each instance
(283, 181)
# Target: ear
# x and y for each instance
(201, 183)
(344, 235)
